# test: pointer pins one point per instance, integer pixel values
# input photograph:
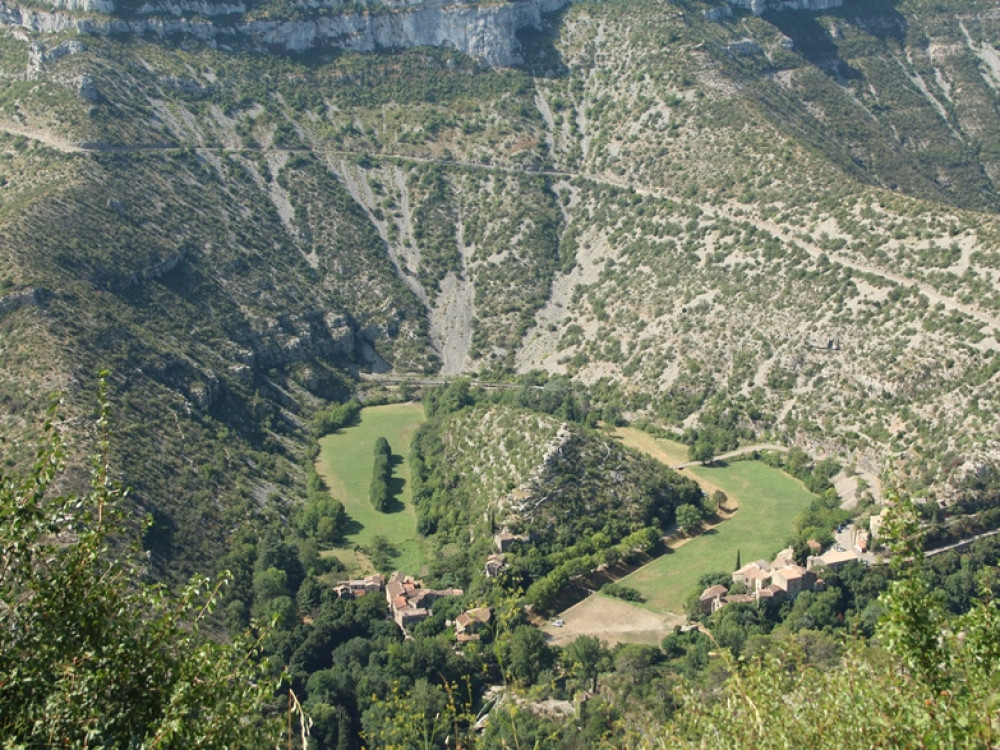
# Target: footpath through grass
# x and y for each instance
(768, 502)
(345, 464)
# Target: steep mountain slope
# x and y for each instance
(777, 224)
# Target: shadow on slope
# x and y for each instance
(817, 41)
(542, 58)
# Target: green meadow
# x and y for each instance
(768, 502)
(345, 464)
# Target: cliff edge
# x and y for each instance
(486, 32)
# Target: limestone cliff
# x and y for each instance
(486, 32)
(758, 7)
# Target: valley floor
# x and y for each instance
(756, 521)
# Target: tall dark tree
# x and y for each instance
(378, 491)
(525, 654)
(688, 519)
(585, 658)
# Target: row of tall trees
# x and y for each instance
(379, 492)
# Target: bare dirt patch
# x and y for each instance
(612, 621)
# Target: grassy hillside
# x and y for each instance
(576, 495)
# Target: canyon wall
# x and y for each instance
(486, 32)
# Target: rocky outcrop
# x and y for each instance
(17, 300)
(199, 386)
(718, 13)
(86, 88)
(297, 338)
(38, 20)
(189, 8)
(84, 6)
(38, 54)
(758, 7)
(486, 32)
(743, 48)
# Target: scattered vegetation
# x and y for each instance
(793, 245)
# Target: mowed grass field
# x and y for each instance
(768, 502)
(345, 464)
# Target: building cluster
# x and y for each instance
(782, 578)
(471, 623)
(358, 587)
(875, 523)
(502, 542)
(409, 601)
(496, 564)
(833, 558)
(763, 580)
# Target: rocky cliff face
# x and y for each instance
(488, 33)
(758, 7)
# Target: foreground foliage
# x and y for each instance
(91, 655)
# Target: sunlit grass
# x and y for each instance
(768, 502)
(345, 464)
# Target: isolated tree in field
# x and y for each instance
(702, 451)
(382, 552)
(688, 519)
(378, 492)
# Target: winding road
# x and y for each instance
(933, 295)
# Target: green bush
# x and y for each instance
(93, 656)
(619, 591)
